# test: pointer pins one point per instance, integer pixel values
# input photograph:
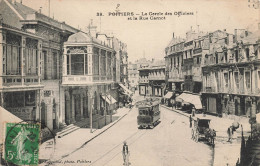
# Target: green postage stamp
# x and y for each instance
(22, 143)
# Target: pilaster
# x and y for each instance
(90, 62)
(64, 68)
(2, 55)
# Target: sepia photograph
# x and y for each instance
(130, 82)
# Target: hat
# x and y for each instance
(125, 142)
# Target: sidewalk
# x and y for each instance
(224, 152)
(67, 144)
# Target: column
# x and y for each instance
(253, 76)
(253, 108)
(106, 65)
(90, 62)
(38, 105)
(39, 56)
(72, 109)
(2, 99)
(64, 67)
(81, 106)
(2, 56)
(67, 107)
(23, 45)
(99, 60)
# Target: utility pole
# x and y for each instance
(105, 110)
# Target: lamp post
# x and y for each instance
(91, 109)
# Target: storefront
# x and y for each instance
(21, 103)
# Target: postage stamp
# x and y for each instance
(22, 143)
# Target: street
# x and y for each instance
(169, 143)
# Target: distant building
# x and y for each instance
(133, 75)
(152, 79)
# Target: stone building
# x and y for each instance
(44, 57)
(20, 83)
(156, 80)
(152, 79)
(143, 81)
(133, 75)
(231, 75)
(174, 64)
(87, 77)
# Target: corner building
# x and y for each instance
(87, 77)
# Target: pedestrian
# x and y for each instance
(230, 133)
(193, 111)
(190, 121)
(125, 152)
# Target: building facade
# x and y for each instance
(87, 77)
(231, 74)
(133, 75)
(46, 67)
(156, 80)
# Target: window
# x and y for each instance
(236, 55)
(248, 80)
(19, 99)
(226, 80)
(13, 60)
(68, 64)
(216, 58)
(225, 57)
(171, 63)
(237, 79)
(77, 64)
(247, 53)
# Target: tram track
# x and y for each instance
(116, 150)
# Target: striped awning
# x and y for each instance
(190, 98)
(109, 99)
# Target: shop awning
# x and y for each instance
(7, 116)
(190, 98)
(127, 91)
(109, 99)
(168, 95)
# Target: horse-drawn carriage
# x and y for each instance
(201, 129)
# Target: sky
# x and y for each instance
(149, 38)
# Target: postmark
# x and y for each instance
(22, 143)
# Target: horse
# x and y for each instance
(210, 135)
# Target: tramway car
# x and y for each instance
(148, 113)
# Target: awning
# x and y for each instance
(168, 95)
(190, 98)
(7, 116)
(127, 91)
(109, 99)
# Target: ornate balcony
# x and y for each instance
(85, 79)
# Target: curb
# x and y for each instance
(175, 110)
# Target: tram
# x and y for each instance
(148, 113)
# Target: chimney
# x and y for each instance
(40, 10)
(92, 29)
(173, 35)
